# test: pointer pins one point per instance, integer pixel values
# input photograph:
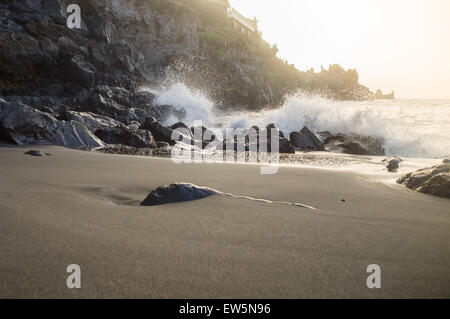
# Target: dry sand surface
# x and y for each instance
(83, 208)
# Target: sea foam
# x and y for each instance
(410, 128)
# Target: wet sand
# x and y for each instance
(82, 208)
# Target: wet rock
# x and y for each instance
(175, 193)
(434, 180)
(446, 161)
(307, 140)
(393, 164)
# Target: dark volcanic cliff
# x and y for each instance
(132, 43)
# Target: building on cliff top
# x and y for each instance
(241, 24)
(246, 26)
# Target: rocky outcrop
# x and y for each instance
(89, 82)
(22, 124)
(434, 180)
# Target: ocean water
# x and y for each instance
(418, 128)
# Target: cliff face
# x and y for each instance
(132, 43)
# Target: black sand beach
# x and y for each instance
(83, 208)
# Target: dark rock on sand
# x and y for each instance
(175, 193)
(307, 140)
(36, 153)
(434, 180)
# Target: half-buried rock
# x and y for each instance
(176, 193)
(36, 153)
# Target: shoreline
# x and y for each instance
(368, 165)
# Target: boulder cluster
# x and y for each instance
(92, 119)
(107, 116)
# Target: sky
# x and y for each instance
(401, 45)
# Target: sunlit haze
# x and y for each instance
(401, 45)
